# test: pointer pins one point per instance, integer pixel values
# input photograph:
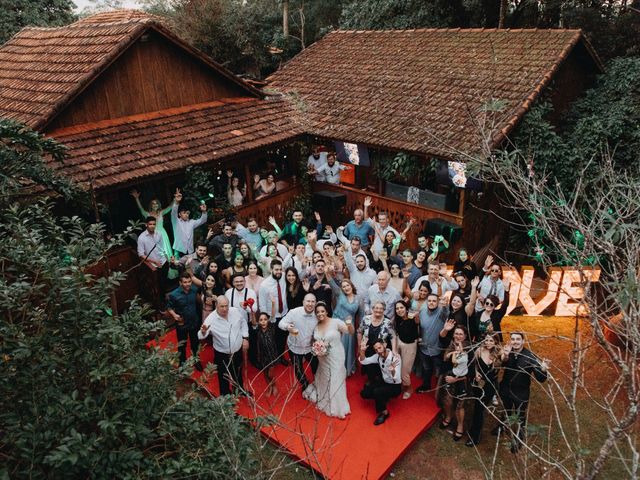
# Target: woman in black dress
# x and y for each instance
(295, 292)
(455, 381)
(484, 372)
(488, 320)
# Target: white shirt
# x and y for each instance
(380, 232)
(362, 279)
(183, 230)
(305, 323)
(227, 333)
(390, 296)
(269, 290)
(332, 172)
(150, 246)
(385, 364)
(447, 286)
(317, 163)
(236, 297)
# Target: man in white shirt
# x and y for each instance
(299, 323)
(272, 297)
(316, 160)
(332, 169)
(359, 272)
(389, 386)
(382, 292)
(381, 227)
(152, 254)
(437, 278)
(183, 226)
(230, 334)
(242, 298)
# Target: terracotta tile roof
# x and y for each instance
(42, 69)
(422, 90)
(130, 149)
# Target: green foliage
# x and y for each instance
(199, 185)
(607, 119)
(303, 199)
(403, 167)
(23, 151)
(17, 14)
(398, 14)
(80, 394)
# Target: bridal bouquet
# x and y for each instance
(320, 348)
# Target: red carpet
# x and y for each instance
(347, 449)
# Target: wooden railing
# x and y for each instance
(397, 209)
(275, 205)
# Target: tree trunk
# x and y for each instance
(503, 13)
(285, 18)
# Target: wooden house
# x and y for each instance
(439, 95)
(136, 106)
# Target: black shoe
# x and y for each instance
(285, 362)
(470, 443)
(198, 366)
(380, 419)
(423, 389)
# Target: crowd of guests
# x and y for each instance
(265, 291)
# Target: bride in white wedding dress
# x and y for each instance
(329, 390)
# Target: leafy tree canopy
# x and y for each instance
(17, 14)
(80, 394)
(606, 119)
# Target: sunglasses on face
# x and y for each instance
(488, 304)
(496, 270)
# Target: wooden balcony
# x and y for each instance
(397, 209)
(275, 205)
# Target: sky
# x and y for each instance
(80, 4)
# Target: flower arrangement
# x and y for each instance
(320, 348)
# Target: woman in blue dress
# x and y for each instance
(349, 308)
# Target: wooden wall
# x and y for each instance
(153, 74)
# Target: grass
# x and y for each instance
(436, 456)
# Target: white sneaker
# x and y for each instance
(406, 395)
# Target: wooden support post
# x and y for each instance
(461, 204)
(248, 182)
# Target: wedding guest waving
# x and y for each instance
(387, 387)
(183, 226)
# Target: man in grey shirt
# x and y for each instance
(432, 320)
(300, 323)
(382, 292)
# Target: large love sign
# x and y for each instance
(563, 286)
